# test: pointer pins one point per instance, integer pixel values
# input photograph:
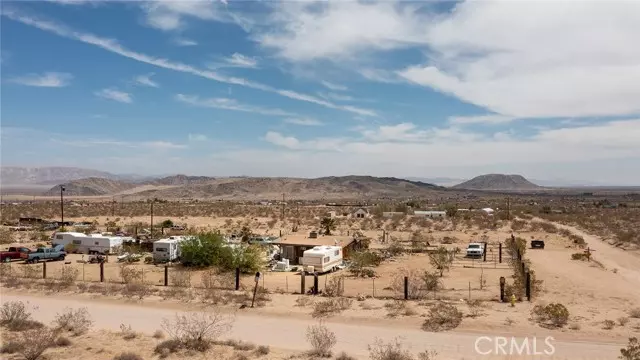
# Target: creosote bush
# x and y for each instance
(16, 316)
(194, 331)
(321, 339)
(127, 355)
(554, 315)
(76, 321)
(442, 317)
(632, 351)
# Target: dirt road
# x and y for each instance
(290, 333)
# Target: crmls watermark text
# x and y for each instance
(500, 345)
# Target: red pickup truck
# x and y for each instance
(13, 253)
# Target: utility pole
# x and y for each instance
(283, 207)
(62, 205)
(113, 204)
(152, 201)
(508, 208)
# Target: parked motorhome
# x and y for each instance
(322, 258)
(89, 244)
(167, 250)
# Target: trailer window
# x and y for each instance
(161, 249)
(77, 242)
(96, 243)
(337, 253)
(59, 237)
(326, 259)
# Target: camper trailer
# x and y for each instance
(167, 250)
(322, 259)
(89, 244)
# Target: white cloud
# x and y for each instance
(146, 80)
(303, 121)
(197, 137)
(181, 41)
(337, 97)
(169, 15)
(153, 145)
(541, 66)
(333, 86)
(340, 30)
(229, 104)
(492, 119)
(115, 95)
(48, 79)
(114, 47)
(239, 60)
(379, 75)
(406, 149)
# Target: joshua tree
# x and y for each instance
(327, 224)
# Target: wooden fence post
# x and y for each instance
(500, 253)
(528, 286)
(406, 288)
(237, 278)
(303, 277)
(44, 269)
(101, 272)
(166, 275)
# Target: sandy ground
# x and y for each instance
(289, 333)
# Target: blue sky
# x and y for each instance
(324, 88)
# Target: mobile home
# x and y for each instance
(167, 249)
(322, 258)
(89, 244)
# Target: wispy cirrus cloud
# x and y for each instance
(197, 137)
(48, 79)
(156, 145)
(115, 95)
(146, 80)
(491, 119)
(230, 104)
(181, 41)
(333, 86)
(303, 121)
(113, 46)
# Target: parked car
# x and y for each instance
(41, 254)
(475, 250)
(13, 253)
(537, 244)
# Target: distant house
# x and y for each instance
(331, 214)
(488, 211)
(430, 214)
(390, 214)
(360, 213)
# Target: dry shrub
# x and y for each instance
(62, 341)
(335, 287)
(344, 356)
(330, 307)
(16, 316)
(442, 317)
(127, 355)
(167, 347)
(181, 278)
(136, 290)
(130, 274)
(303, 301)
(608, 324)
(635, 313)
(623, 321)
(36, 342)
(11, 347)
(397, 308)
(158, 334)
(321, 339)
(475, 308)
(68, 276)
(196, 331)
(76, 321)
(212, 279)
(393, 350)
(127, 332)
(263, 350)
(415, 290)
(632, 351)
(554, 315)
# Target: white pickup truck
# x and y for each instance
(475, 250)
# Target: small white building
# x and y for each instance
(360, 213)
(390, 214)
(430, 214)
(488, 211)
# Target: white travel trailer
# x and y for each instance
(167, 249)
(90, 244)
(322, 259)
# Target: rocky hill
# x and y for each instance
(15, 175)
(498, 182)
(91, 187)
(252, 188)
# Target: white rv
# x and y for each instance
(167, 249)
(322, 258)
(90, 244)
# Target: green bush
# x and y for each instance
(209, 249)
(554, 315)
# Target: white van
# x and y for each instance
(322, 259)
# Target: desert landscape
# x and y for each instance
(408, 273)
